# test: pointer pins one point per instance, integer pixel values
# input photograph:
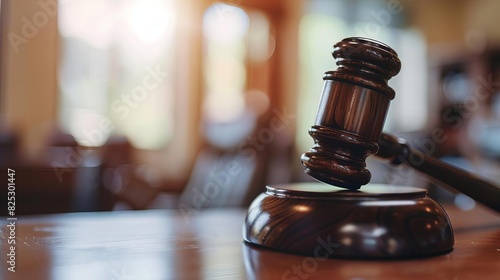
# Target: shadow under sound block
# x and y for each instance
(379, 221)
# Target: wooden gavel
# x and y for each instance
(349, 123)
(376, 221)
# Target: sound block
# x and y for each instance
(320, 220)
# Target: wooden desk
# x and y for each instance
(163, 245)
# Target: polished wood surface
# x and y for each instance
(380, 221)
(352, 112)
(349, 123)
(164, 245)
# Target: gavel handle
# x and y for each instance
(398, 151)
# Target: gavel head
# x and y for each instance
(352, 112)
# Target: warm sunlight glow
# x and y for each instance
(89, 21)
(261, 42)
(116, 65)
(225, 29)
(90, 128)
(149, 20)
(225, 23)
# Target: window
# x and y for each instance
(237, 43)
(225, 29)
(237, 46)
(116, 70)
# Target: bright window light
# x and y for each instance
(225, 29)
(117, 60)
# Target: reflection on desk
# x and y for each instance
(208, 245)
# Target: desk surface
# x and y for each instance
(208, 245)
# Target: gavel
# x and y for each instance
(373, 221)
(349, 125)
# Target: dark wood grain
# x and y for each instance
(161, 244)
(384, 222)
(379, 222)
(350, 119)
(352, 112)
(399, 151)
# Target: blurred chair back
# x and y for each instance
(41, 190)
(228, 172)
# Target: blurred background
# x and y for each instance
(112, 105)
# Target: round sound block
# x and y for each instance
(377, 221)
